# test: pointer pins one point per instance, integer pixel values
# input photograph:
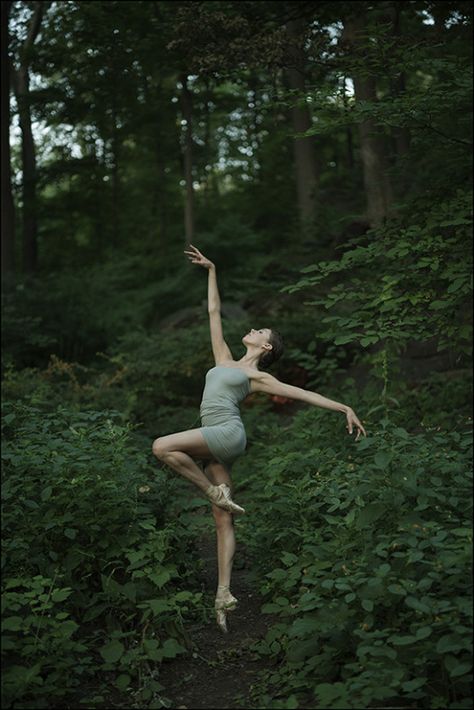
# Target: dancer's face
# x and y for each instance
(257, 337)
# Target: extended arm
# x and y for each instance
(219, 347)
(213, 299)
(269, 384)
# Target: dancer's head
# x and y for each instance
(268, 342)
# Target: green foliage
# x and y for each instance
(437, 87)
(407, 282)
(75, 312)
(92, 567)
(364, 552)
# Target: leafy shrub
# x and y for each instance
(78, 311)
(93, 569)
(423, 285)
(368, 551)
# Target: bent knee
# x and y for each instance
(159, 450)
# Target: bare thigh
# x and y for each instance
(190, 442)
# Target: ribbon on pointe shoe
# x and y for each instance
(220, 496)
(221, 619)
(224, 603)
(224, 599)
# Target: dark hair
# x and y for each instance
(270, 356)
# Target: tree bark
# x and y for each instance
(186, 102)
(20, 79)
(8, 208)
(207, 143)
(378, 188)
(115, 153)
(397, 84)
(349, 138)
(306, 169)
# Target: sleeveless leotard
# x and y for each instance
(222, 427)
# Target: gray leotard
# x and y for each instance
(222, 427)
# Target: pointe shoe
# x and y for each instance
(224, 603)
(220, 495)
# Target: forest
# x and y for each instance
(320, 155)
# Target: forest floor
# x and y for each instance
(220, 671)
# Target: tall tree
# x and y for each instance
(21, 84)
(187, 106)
(397, 83)
(306, 170)
(8, 209)
(378, 188)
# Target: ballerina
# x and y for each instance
(222, 438)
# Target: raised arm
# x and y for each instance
(220, 348)
(265, 382)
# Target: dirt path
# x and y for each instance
(220, 670)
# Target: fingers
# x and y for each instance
(359, 427)
(194, 257)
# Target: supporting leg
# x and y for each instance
(225, 544)
(224, 520)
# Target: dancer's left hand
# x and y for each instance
(353, 421)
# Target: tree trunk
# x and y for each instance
(254, 140)
(207, 144)
(397, 84)
(20, 79)
(186, 102)
(373, 152)
(8, 209)
(115, 179)
(349, 139)
(304, 148)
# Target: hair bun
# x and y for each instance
(271, 356)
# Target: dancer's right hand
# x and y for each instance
(196, 257)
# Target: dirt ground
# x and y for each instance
(220, 670)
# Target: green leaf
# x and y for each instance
(46, 493)
(304, 626)
(411, 685)
(152, 649)
(457, 284)
(158, 606)
(160, 578)
(368, 604)
(122, 681)
(171, 648)
(343, 339)
(112, 651)
(424, 632)
(402, 640)
(59, 595)
(12, 623)
(183, 596)
(415, 603)
(450, 642)
(382, 459)
(369, 514)
(455, 667)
